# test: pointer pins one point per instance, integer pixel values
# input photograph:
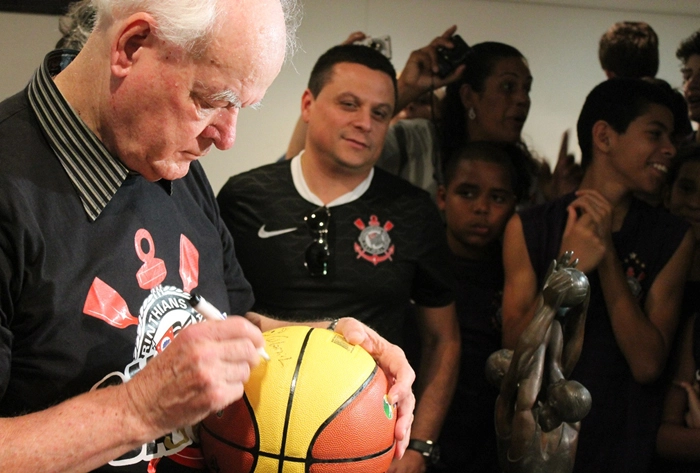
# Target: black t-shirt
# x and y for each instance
(468, 436)
(387, 247)
(86, 303)
(619, 433)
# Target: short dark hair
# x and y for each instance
(513, 156)
(350, 53)
(687, 153)
(480, 63)
(688, 47)
(681, 122)
(630, 49)
(618, 102)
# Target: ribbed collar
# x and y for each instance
(95, 173)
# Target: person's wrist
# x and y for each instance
(333, 323)
(427, 448)
(141, 424)
(408, 92)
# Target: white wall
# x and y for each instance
(560, 43)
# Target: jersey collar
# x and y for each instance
(305, 192)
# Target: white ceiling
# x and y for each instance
(674, 7)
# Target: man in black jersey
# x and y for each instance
(326, 234)
(108, 224)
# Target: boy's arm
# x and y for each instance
(675, 440)
(645, 335)
(437, 376)
(520, 289)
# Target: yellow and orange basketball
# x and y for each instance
(317, 406)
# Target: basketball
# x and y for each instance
(317, 406)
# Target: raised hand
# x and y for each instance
(588, 229)
(567, 173)
(354, 36)
(419, 75)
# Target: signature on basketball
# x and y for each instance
(276, 345)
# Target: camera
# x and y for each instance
(450, 59)
(380, 43)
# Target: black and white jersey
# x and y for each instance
(386, 239)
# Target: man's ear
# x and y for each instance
(603, 136)
(441, 197)
(134, 34)
(307, 102)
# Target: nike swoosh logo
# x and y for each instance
(262, 233)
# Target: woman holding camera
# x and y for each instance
(488, 99)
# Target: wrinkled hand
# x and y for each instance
(588, 231)
(392, 360)
(203, 370)
(419, 75)
(412, 462)
(692, 417)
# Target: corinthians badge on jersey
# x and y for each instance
(635, 272)
(374, 242)
(162, 315)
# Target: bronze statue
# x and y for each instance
(538, 411)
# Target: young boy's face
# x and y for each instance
(477, 203)
(642, 154)
(684, 197)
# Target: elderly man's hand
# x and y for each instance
(392, 360)
(201, 371)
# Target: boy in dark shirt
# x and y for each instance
(636, 258)
(483, 184)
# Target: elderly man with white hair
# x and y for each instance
(108, 224)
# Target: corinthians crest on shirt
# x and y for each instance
(374, 243)
(162, 315)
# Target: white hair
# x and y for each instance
(76, 25)
(188, 24)
(292, 19)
